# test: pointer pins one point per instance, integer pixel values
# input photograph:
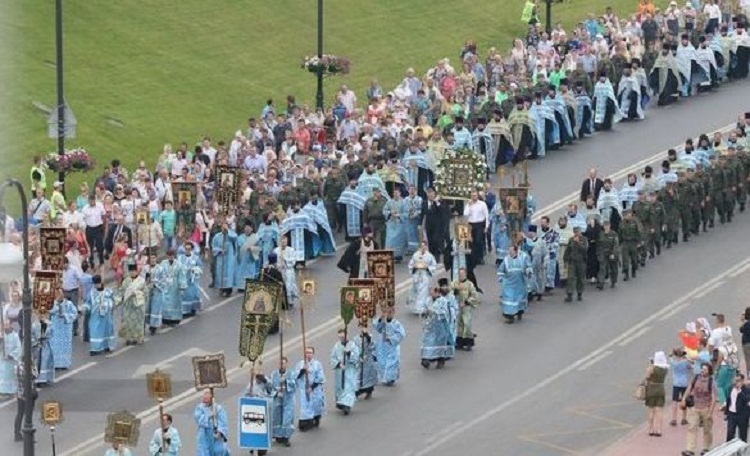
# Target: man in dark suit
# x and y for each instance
(113, 232)
(591, 186)
(738, 409)
(437, 215)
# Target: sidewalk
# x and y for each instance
(671, 443)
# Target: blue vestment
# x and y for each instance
(62, 316)
(345, 373)
(557, 104)
(314, 404)
(11, 357)
(283, 386)
(355, 204)
(396, 213)
(542, 114)
(173, 449)
(500, 234)
(368, 182)
(192, 269)
(303, 233)
(367, 376)
(325, 244)
(166, 299)
(584, 114)
(286, 264)
(268, 238)
(226, 262)
(413, 222)
(100, 306)
(388, 349)
(421, 267)
(206, 443)
(438, 331)
(512, 275)
(248, 256)
(552, 239)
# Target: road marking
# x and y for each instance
(205, 295)
(7, 403)
(437, 434)
(739, 271)
(449, 435)
(164, 364)
(75, 371)
(708, 290)
(595, 360)
(120, 351)
(90, 445)
(634, 337)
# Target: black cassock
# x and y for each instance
(437, 226)
(349, 261)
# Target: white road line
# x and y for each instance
(75, 371)
(634, 336)
(739, 271)
(708, 290)
(203, 292)
(449, 435)
(437, 434)
(119, 352)
(90, 445)
(595, 360)
(7, 403)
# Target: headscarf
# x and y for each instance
(660, 359)
(704, 324)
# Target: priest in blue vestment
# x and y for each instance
(345, 364)
(192, 268)
(283, 386)
(513, 274)
(169, 281)
(62, 315)
(439, 328)
(325, 244)
(268, 237)
(311, 388)
(248, 256)
(388, 347)
(354, 204)
(396, 214)
(100, 306)
(212, 427)
(224, 249)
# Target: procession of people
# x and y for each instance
(137, 243)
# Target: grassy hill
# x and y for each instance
(141, 73)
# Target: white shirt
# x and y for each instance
(735, 392)
(713, 11)
(93, 216)
(717, 335)
(69, 218)
(476, 212)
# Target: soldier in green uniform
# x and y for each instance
(684, 204)
(707, 206)
(718, 180)
(644, 212)
(286, 195)
(608, 252)
(574, 257)
(660, 216)
(669, 198)
(744, 158)
(730, 186)
(373, 215)
(333, 185)
(736, 162)
(697, 201)
(630, 238)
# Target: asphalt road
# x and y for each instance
(559, 383)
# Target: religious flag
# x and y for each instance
(349, 297)
(52, 246)
(260, 310)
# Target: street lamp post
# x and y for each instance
(548, 19)
(319, 73)
(11, 261)
(60, 93)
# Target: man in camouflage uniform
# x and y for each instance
(286, 195)
(718, 181)
(736, 162)
(697, 202)
(669, 198)
(631, 235)
(684, 205)
(332, 187)
(574, 257)
(730, 186)
(643, 210)
(608, 252)
(654, 242)
(374, 217)
(707, 206)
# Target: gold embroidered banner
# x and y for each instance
(52, 246)
(260, 310)
(185, 196)
(380, 291)
(45, 284)
(380, 266)
(227, 187)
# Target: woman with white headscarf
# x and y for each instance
(655, 395)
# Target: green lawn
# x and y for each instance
(170, 70)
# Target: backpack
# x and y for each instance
(731, 357)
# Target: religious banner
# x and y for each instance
(122, 427)
(52, 413)
(380, 266)
(380, 288)
(209, 371)
(159, 385)
(45, 284)
(514, 204)
(185, 196)
(459, 173)
(227, 187)
(260, 310)
(365, 308)
(348, 303)
(52, 246)
(463, 233)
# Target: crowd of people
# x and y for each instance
(366, 172)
